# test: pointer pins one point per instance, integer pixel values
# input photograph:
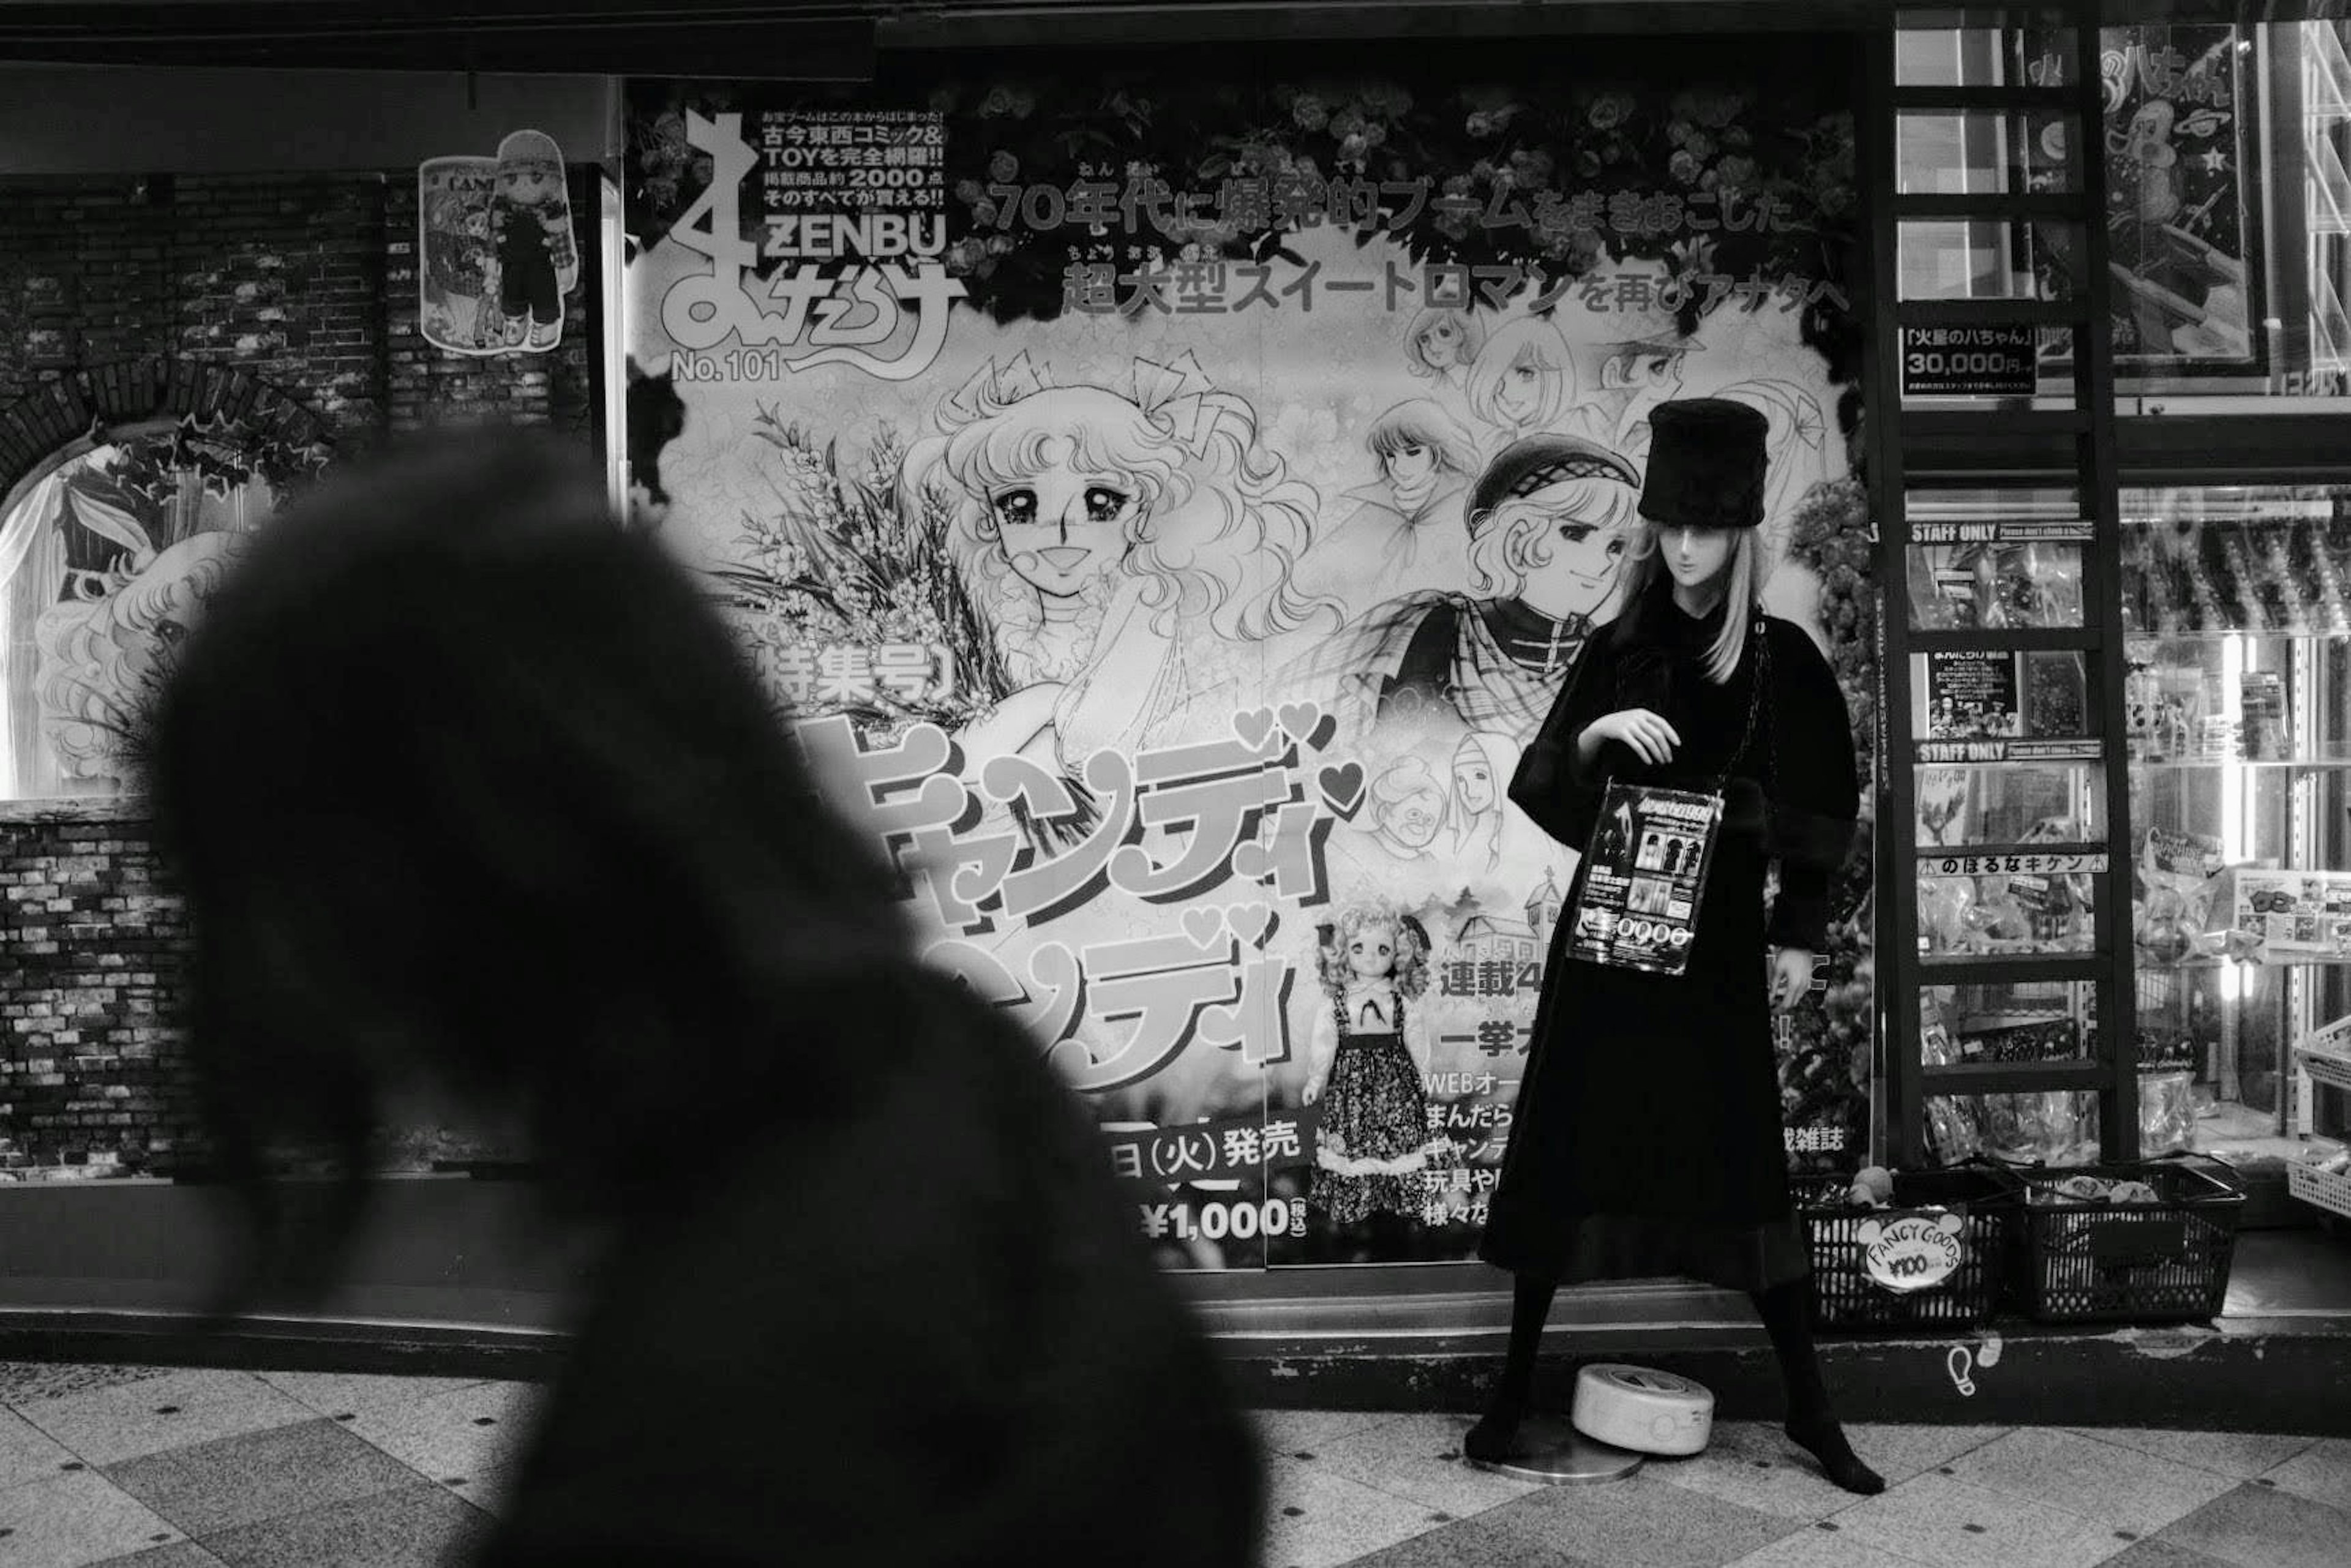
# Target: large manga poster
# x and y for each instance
(1084, 458)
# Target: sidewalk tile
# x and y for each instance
(1819, 1548)
(220, 1485)
(1418, 1459)
(1641, 1523)
(2157, 1553)
(456, 1436)
(488, 1487)
(1285, 1432)
(22, 1382)
(1898, 1451)
(2241, 1455)
(1484, 1541)
(26, 1453)
(179, 1555)
(1754, 1465)
(1316, 1519)
(339, 1394)
(74, 1518)
(2125, 1488)
(1944, 1522)
(108, 1425)
(415, 1525)
(2321, 1472)
(2263, 1527)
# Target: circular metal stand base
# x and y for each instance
(1551, 1450)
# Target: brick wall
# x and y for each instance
(90, 1077)
(292, 298)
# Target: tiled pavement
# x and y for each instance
(167, 1468)
(158, 1467)
(1391, 1491)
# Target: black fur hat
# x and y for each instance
(1706, 464)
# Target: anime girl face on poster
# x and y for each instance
(1557, 550)
(1441, 344)
(1121, 544)
(1522, 381)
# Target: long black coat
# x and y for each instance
(927, 1336)
(1646, 1141)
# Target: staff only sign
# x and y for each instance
(1085, 470)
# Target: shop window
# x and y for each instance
(108, 551)
(2227, 154)
(2239, 713)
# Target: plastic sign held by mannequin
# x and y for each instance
(496, 252)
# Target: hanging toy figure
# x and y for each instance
(531, 222)
(1370, 1055)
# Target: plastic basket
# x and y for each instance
(2166, 1261)
(2329, 1190)
(1843, 1294)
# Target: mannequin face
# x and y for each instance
(1698, 558)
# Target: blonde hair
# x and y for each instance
(1217, 532)
(1742, 583)
(1508, 541)
(1531, 341)
(1473, 337)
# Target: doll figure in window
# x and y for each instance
(1367, 1063)
(531, 218)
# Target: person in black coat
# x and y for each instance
(1646, 1140)
(469, 788)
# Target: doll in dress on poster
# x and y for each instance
(1367, 1063)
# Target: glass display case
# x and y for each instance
(2009, 798)
(2238, 716)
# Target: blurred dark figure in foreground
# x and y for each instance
(467, 788)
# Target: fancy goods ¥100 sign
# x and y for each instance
(1912, 1251)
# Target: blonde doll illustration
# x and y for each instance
(1522, 381)
(1441, 344)
(1367, 1062)
(1159, 502)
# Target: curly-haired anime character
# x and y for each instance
(1548, 523)
(1160, 504)
(1366, 1062)
(103, 659)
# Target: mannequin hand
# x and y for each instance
(1652, 740)
(1313, 1092)
(1791, 975)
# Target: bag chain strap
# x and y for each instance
(1757, 681)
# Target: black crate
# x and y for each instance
(1843, 1294)
(2166, 1261)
